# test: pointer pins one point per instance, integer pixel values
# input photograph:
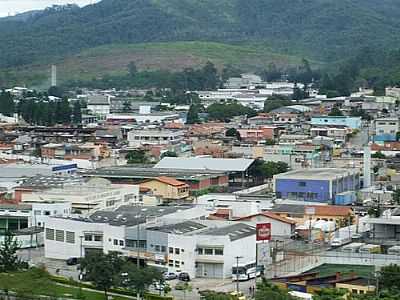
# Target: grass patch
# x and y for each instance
(35, 282)
(330, 269)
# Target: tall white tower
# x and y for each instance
(53, 75)
(367, 166)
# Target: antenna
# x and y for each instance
(53, 75)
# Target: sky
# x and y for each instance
(11, 7)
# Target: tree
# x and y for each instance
(232, 132)
(139, 279)
(275, 102)
(269, 142)
(9, 260)
(396, 196)
(330, 294)
(103, 270)
(261, 170)
(77, 113)
(126, 106)
(378, 155)
(192, 115)
(335, 111)
(136, 157)
(55, 91)
(132, 69)
(169, 154)
(6, 104)
(226, 111)
(389, 277)
(210, 76)
(266, 290)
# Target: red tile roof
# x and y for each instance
(331, 210)
(170, 181)
(270, 215)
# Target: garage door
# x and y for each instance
(209, 270)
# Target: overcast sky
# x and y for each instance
(18, 6)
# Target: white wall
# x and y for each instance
(63, 250)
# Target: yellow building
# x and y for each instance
(357, 286)
(167, 188)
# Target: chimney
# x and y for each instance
(367, 166)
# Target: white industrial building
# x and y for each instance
(96, 194)
(110, 230)
(99, 104)
(173, 238)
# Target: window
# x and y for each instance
(177, 264)
(208, 251)
(177, 251)
(98, 238)
(60, 235)
(171, 250)
(38, 212)
(115, 242)
(47, 213)
(302, 183)
(219, 251)
(171, 263)
(121, 243)
(182, 250)
(50, 234)
(200, 251)
(88, 237)
(163, 249)
(70, 237)
(157, 248)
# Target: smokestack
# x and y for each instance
(53, 75)
(367, 166)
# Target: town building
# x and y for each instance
(386, 129)
(122, 229)
(95, 194)
(139, 137)
(99, 105)
(318, 184)
(167, 188)
(337, 121)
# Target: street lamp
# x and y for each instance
(237, 273)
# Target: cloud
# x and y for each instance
(12, 7)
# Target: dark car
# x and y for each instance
(72, 261)
(184, 276)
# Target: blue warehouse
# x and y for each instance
(316, 185)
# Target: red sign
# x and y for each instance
(263, 232)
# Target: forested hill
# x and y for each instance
(319, 29)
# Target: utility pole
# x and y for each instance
(237, 273)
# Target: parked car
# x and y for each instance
(169, 276)
(184, 276)
(72, 261)
(159, 286)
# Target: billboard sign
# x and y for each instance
(263, 232)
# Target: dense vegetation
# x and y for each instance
(324, 29)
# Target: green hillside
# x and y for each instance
(323, 30)
(113, 59)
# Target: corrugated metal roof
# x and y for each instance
(205, 163)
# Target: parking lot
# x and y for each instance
(59, 267)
